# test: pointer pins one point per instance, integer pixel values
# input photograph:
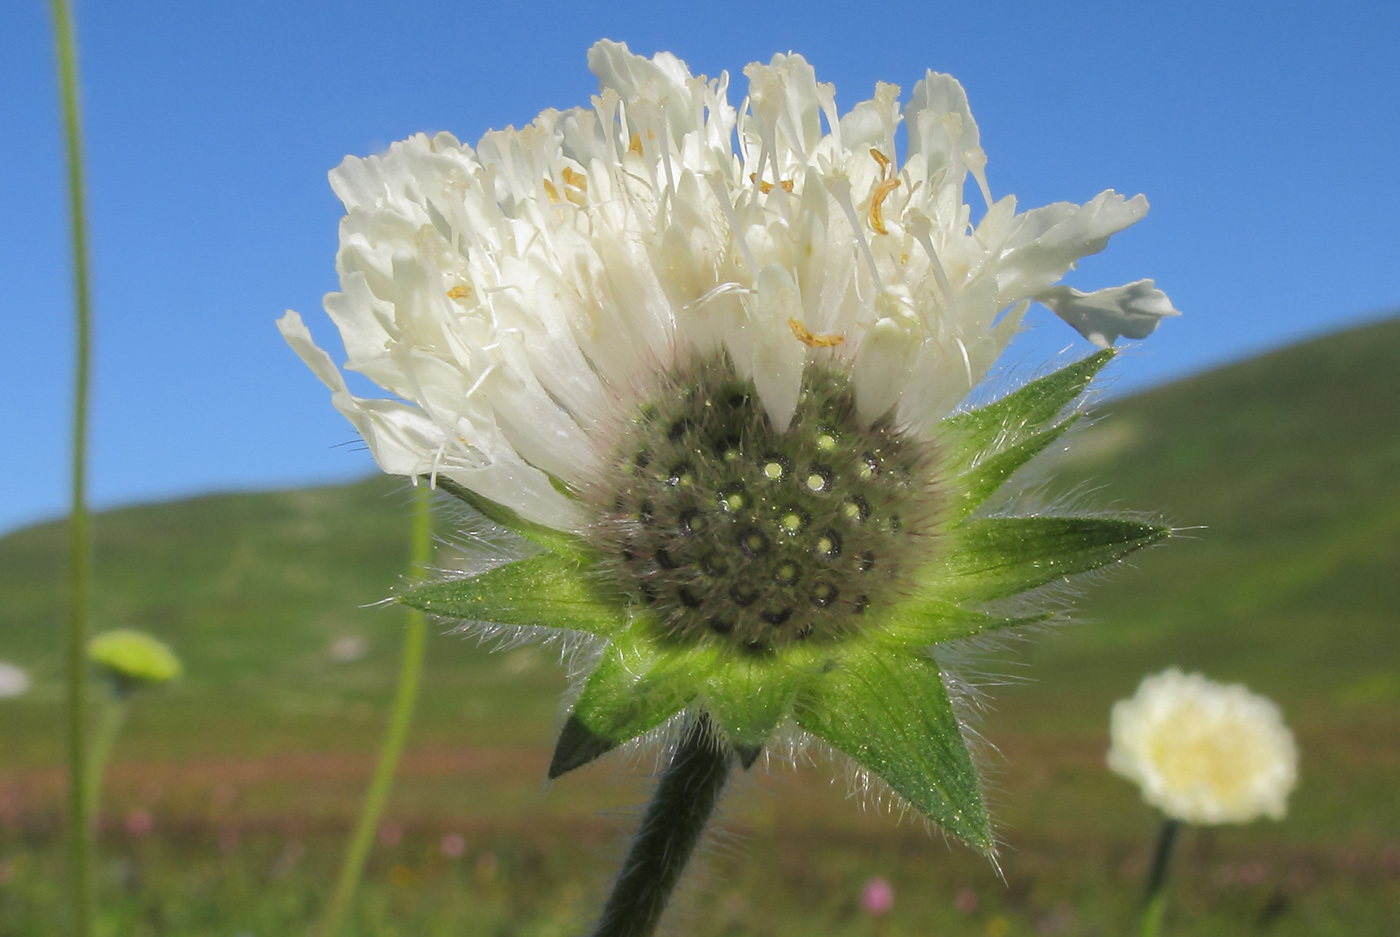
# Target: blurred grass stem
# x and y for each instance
(80, 535)
(410, 675)
(1155, 896)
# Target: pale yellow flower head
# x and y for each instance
(1204, 752)
(134, 657)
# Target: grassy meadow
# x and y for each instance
(231, 793)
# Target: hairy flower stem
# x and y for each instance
(1155, 897)
(80, 537)
(109, 725)
(410, 675)
(670, 831)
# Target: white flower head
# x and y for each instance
(1204, 752)
(347, 648)
(706, 357)
(520, 298)
(14, 681)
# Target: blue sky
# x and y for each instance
(1265, 135)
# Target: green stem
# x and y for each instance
(670, 831)
(410, 674)
(109, 726)
(1155, 895)
(80, 537)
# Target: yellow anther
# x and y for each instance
(883, 189)
(887, 185)
(575, 187)
(883, 160)
(459, 292)
(786, 185)
(576, 179)
(813, 340)
(636, 145)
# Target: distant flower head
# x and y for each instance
(453, 845)
(134, 657)
(348, 647)
(139, 822)
(877, 898)
(708, 357)
(13, 680)
(1204, 752)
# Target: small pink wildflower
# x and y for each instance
(878, 897)
(453, 845)
(139, 822)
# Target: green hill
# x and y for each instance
(1290, 465)
(1283, 471)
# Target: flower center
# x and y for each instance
(726, 527)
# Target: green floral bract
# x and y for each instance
(872, 692)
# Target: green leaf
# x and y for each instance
(1006, 422)
(749, 694)
(547, 591)
(1001, 556)
(981, 482)
(556, 541)
(890, 713)
(635, 688)
(919, 622)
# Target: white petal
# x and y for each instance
(885, 360)
(363, 319)
(777, 355)
(405, 441)
(398, 435)
(1051, 240)
(942, 131)
(945, 373)
(664, 80)
(873, 123)
(1104, 316)
(787, 102)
